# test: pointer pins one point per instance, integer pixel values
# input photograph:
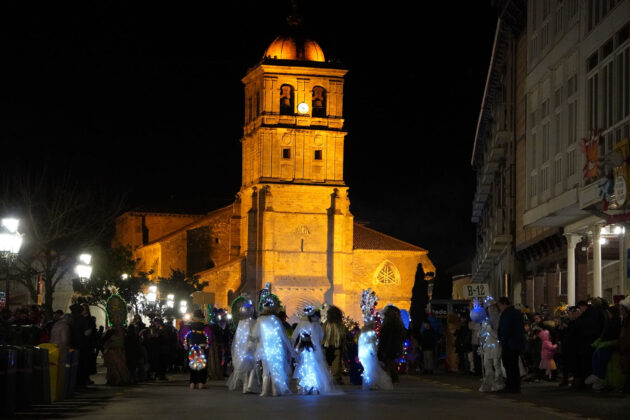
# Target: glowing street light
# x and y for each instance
(183, 306)
(10, 238)
(84, 269)
(170, 300)
(10, 244)
(152, 295)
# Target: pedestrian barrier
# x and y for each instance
(24, 381)
(8, 377)
(41, 376)
(72, 367)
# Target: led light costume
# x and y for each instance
(311, 370)
(374, 376)
(197, 340)
(489, 346)
(273, 348)
(243, 347)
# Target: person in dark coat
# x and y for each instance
(463, 345)
(132, 351)
(427, 343)
(512, 337)
(391, 340)
(79, 329)
(589, 326)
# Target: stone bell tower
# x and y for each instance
(296, 227)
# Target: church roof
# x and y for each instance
(294, 44)
(289, 47)
(366, 238)
(189, 226)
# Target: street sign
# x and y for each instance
(475, 290)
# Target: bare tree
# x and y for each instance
(59, 219)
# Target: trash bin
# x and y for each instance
(8, 366)
(24, 378)
(54, 372)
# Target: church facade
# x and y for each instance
(290, 224)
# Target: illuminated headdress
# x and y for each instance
(477, 313)
(368, 303)
(308, 310)
(242, 308)
(488, 301)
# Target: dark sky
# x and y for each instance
(145, 97)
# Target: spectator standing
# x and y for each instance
(512, 336)
(427, 343)
(624, 342)
(392, 340)
(589, 326)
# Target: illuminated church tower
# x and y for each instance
(296, 227)
(290, 224)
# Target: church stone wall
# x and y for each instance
(365, 264)
(136, 229)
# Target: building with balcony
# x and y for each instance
(493, 158)
(576, 115)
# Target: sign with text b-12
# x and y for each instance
(475, 290)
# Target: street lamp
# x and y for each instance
(170, 300)
(10, 243)
(83, 268)
(183, 306)
(152, 295)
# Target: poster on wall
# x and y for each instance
(590, 149)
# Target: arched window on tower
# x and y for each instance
(286, 100)
(387, 274)
(319, 102)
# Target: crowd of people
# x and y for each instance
(582, 346)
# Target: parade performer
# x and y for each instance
(311, 370)
(334, 337)
(242, 346)
(374, 376)
(490, 348)
(273, 348)
(114, 342)
(197, 341)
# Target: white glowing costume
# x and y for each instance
(243, 349)
(311, 370)
(274, 350)
(374, 376)
(490, 351)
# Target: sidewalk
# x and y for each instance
(545, 395)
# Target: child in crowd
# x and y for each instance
(546, 353)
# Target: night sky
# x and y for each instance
(145, 98)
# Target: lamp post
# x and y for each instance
(10, 243)
(84, 268)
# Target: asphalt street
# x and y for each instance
(427, 397)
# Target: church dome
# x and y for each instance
(291, 47)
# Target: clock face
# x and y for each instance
(303, 108)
